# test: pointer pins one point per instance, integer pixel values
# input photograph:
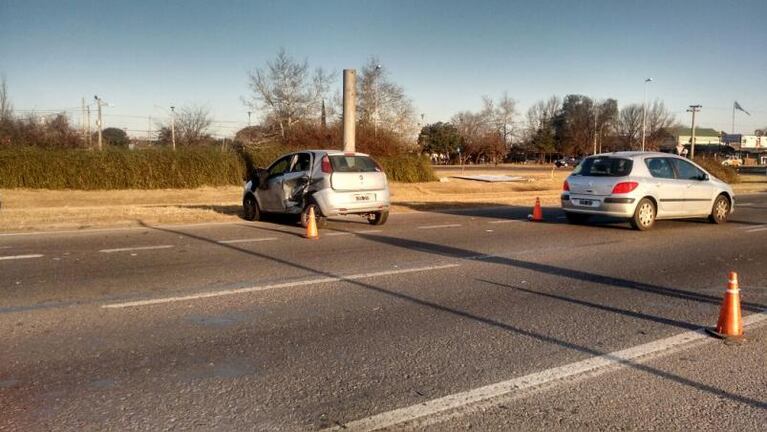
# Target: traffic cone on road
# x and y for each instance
(537, 215)
(311, 227)
(730, 324)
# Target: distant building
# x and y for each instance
(681, 136)
(745, 142)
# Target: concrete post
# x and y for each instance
(350, 108)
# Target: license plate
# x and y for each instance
(589, 203)
(365, 197)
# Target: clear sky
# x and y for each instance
(143, 56)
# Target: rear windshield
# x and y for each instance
(603, 167)
(343, 163)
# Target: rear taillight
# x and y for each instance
(624, 187)
(326, 167)
(566, 186)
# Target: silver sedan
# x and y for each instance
(644, 187)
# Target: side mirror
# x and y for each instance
(705, 177)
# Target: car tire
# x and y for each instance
(577, 218)
(720, 211)
(378, 218)
(250, 209)
(644, 215)
(320, 220)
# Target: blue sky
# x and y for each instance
(145, 56)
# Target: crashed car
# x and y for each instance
(333, 183)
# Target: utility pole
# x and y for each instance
(693, 109)
(149, 130)
(173, 127)
(350, 106)
(376, 76)
(88, 125)
(644, 111)
(98, 121)
(82, 115)
(596, 113)
(249, 113)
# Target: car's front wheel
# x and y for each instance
(644, 215)
(378, 218)
(720, 211)
(250, 209)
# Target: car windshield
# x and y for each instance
(342, 163)
(603, 166)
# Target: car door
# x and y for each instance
(698, 193)
(294, 182)
(667, 190)
(270, 196)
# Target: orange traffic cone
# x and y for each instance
(537, 215)
(730, 324)
(311, 227)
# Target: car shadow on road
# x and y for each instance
(458, 253)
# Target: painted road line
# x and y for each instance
(368, 232)
(439, 226)
(750, 227)
(248, 240)
(752, 230)
(743, 204)
(17, 257)
(457, 401)
(505, 221)
(336, 234)
(5, 247)
(138, 248)
(275, 286)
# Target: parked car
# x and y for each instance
(733, 161)
(331, 182)
(643, 187)
(560, 163)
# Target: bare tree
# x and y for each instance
(381, 102)
(500, 116)
(629, 125)
(192, 123)
(286, 91)
(658, 119)
(6, 109)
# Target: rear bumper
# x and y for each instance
(622, 206)
(333, 203)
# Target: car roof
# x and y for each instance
(636, 154)
(330, 152)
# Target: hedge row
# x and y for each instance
(155, 169)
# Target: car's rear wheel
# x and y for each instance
(577, 218)
(378, 218)
(644, 215)
(250, 209)
(721, 210)
(319, 219)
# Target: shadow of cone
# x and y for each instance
(311, 227)
(537, 215)
(730, 324)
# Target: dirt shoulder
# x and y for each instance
(35, 210)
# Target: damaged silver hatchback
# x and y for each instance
(332, 182)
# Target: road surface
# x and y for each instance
(440, 320)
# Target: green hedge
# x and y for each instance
(156, 169)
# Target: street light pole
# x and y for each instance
(375, 99)
(173, 127)
(98, 120)
(693, 109)
(644, 112)
(249, 113)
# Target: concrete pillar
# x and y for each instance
(350, 108)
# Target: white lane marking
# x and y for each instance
(750, 227)
(15, 257)
(5, 247)
(336, 234)
(743, 204)
(275, 286)
(505, 221)
(756, 229)
(249, 240)
(138, 248)
(518, 385)
(439, 226)
(368, 232)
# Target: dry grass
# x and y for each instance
(25, 209)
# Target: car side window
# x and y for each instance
(687, 171)
(280, 166)
(660, 167)
(301, 163)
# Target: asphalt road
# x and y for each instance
(437, 320)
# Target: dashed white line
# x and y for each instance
(368, 232)
(439, 226)
(336, 234)
(454, 402)
(756, 229)
(275, 286)
(750, 227)
(17, 257)
(138, 248)
(505, 221)
(248, 240)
